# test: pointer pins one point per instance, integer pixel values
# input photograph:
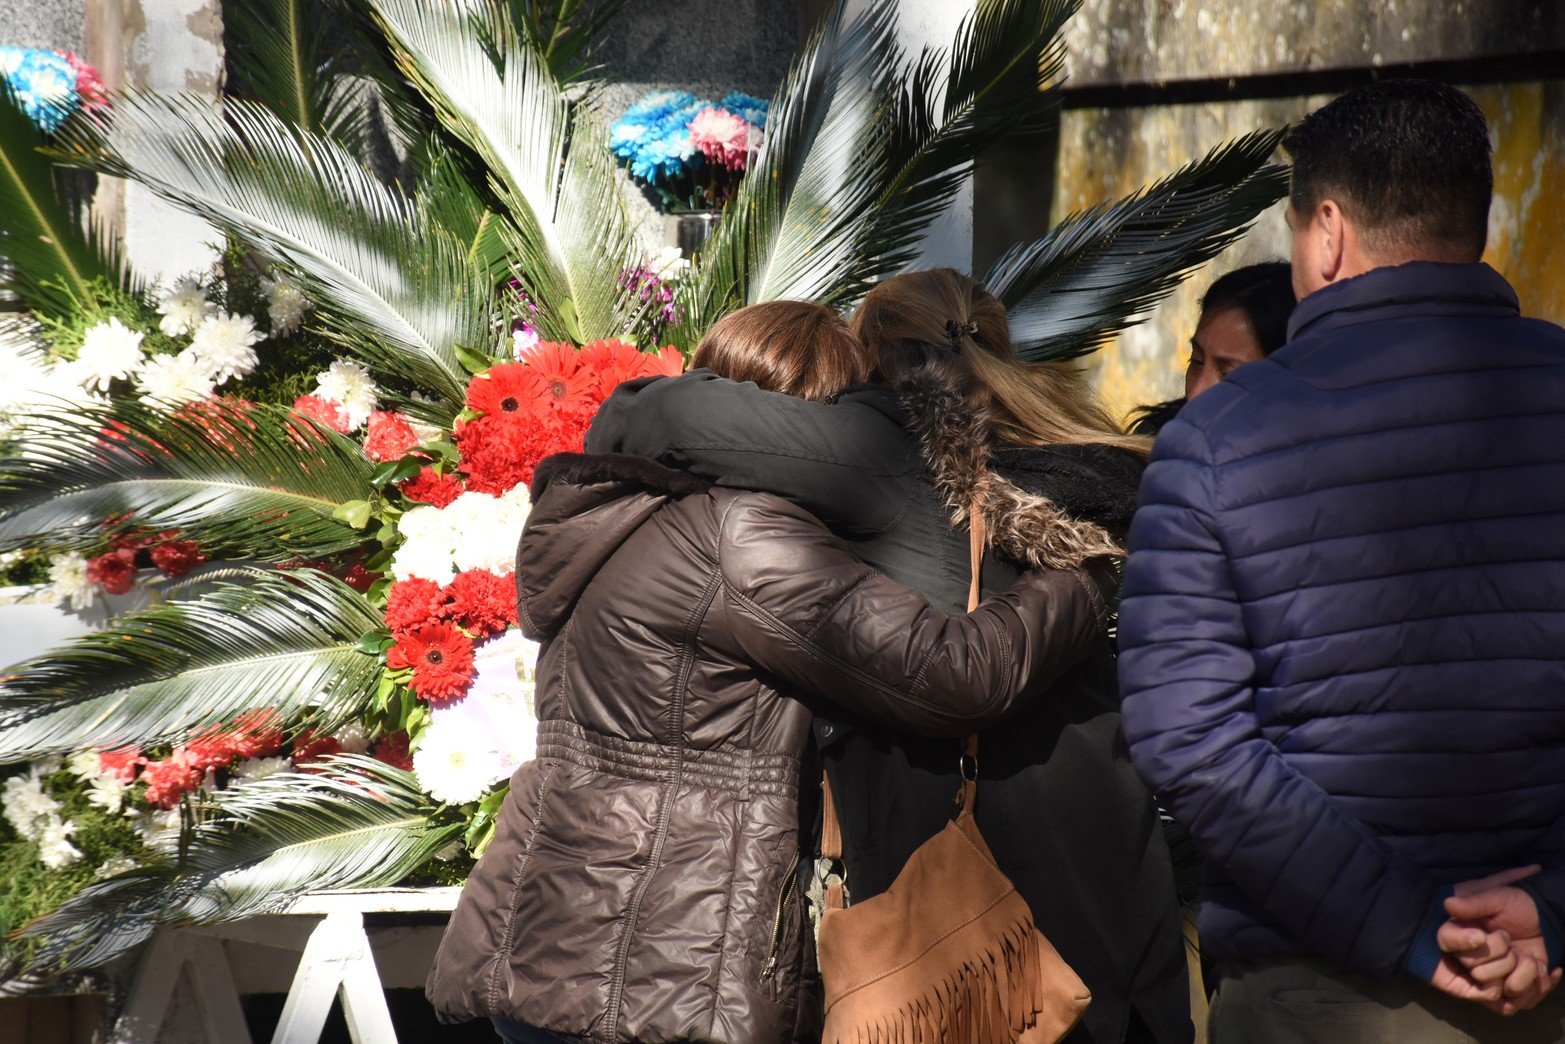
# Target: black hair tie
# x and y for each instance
(955, 330)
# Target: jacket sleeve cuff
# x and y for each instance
(1424, 957)
(1553, 931)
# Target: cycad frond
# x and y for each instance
(1096, 272)
(392, 288)
(51, 259)
(353, 823)
(793, 229)
(495, 94)
(256, 482)
(294, 57)
(997, 78)
(289, 641)
(563, 30)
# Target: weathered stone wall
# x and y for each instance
(1165, 45)
(59, 25)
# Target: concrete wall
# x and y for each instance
(59, 25)
(1155, 73)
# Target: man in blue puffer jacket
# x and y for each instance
(1343, 621)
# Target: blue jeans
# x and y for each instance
(513, 1032)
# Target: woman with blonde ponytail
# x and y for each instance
(953, 421)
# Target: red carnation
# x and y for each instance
(172, 778)
(431, 487)
(414, 602)
(121, 764)
(310, 746)
(389, 436)
(359, 578)
(441, 658)
(508, 391)
(318, 409)
(256, 733)
(177, 557)
(497, 456)
(392, 748)
(115, 572)
(483, 602)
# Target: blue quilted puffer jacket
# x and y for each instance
(1343, 620)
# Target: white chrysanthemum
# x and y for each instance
(113, 866)
(183, 306)
(68, 583)
(28, 381)
(54, 844)
(352, 738)
(107, 792)
(27, 807)
(252, 769)
(109, 350)
(160, 828)
(225, 345)
(456, 760)
(285, 305)
(350, 386)
(173, 380)
(85, 764)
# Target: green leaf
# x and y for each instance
(352, 822)
(251, 481)
(390, 286)
(289, 641)
(1100, 271)
(480, 830)
(51, 260)
(355, 512)
(473, 362)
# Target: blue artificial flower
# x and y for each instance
(653, 136)
(747, 107)
(43, 84)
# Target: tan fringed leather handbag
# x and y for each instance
(949, 953)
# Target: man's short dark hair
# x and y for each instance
(1408, 162)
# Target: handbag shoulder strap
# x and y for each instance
(831, 827)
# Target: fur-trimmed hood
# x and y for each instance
(1045, 506)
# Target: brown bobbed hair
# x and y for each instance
(795, 347)
(942, 318)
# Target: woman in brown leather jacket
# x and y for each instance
(643, 882)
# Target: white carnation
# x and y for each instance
(183, 306)
(252, 769)
(456, 760)
(109, 351)
(225, 345)
(54, 845)
(428, 544)
(285, 305)
(173, 380)
(487, 529)
(350, 386)
(27, 807)
(68, 583)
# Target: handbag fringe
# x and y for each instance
(992, 998)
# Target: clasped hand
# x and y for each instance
(1493, 946)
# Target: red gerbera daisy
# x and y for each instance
(431, 487)
(413, 602)
(483, 602)
(389, 436)
(569, 386)
(508, 391)
(667, 361)
(612, 363)
(441, 658)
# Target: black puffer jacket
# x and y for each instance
(1062, 808)
(641, 884)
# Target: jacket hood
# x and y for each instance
(1055, 506)
(584, 507)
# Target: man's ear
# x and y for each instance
(1331, 246)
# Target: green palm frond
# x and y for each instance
(51, 259)
(289, 641)
(392, 288)
(563, 30)
(998, 77)
(294, 57)
(1099, 271)
(793, 229)
(494, 93)
(354, 823)
(256, 482)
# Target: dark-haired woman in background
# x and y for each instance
(1244, 317)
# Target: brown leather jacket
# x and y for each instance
(642, 882)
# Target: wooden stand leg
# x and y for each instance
(157, 978)
(337, 959)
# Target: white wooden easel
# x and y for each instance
(336, 960)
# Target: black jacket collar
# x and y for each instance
(1405, 291)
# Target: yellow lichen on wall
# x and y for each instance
(1106, 154)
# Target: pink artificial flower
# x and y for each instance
(89, 85)
(722, 137)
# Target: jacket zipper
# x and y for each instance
(769, 970)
